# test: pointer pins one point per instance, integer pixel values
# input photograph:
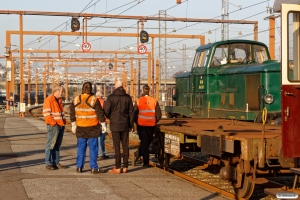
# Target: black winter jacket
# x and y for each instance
(118, 109)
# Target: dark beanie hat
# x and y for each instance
(87, 88)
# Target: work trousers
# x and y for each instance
(55, 136)
(146, 137)
(101, 144)
(123, 137)
(81, 152)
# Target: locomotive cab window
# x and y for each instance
(293, 37)
(260, 54)
(240, 53)
(200, 58)
(220, 56)
(196, 59)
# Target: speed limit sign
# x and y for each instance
(142, 49)
(86, 46)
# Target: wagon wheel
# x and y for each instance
(247, 188)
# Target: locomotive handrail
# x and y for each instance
(264, 115)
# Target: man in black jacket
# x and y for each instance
(118, 109)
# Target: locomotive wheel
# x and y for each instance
(247, 189)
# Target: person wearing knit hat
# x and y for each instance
(118, 109)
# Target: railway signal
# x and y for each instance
(75, 24)
(144, 36)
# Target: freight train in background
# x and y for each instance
(239, 108)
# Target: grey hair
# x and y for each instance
(99, 94)
(56, 88)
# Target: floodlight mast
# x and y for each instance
(225, 16)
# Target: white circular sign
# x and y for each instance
(142, 49)
(86, 46)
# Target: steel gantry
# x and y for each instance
(10, 84)
(84, 33)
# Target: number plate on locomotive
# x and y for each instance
(172, 145)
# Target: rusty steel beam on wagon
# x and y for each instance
(117, 16)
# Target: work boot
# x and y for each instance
(60, 166)
(79, 170)
(50, 167)
(96, 171)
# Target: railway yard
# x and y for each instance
(199, 169)
(224, 99)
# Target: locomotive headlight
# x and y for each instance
(269, 98)
(291, 65)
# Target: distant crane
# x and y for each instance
(225, 15)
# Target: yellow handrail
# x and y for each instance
(264, 115)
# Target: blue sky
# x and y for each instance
(254, 10)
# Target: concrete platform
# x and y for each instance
(23, 174)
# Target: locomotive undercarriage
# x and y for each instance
(243, 157)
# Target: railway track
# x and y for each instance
(192, 167)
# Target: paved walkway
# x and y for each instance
(23, 174)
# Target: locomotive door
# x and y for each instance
(290, 80)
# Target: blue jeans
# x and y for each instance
(101, 139)
(54, 139)
(81, 152)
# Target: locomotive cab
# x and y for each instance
(234, 79)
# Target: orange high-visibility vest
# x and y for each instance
(146, 106)
(84, 110)
(53, 111)
(101, 102)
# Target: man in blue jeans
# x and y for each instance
(101, 151)
(85, 114)
(53, 112)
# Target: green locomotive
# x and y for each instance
(233, 79)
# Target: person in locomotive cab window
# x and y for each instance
(85, 114)
(147, 114)
(53, 111)
(118, 109)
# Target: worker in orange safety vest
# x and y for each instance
(147, 114)
(53, 112)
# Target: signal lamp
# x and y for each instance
(269, 98)
(144, 37)
(75, 24)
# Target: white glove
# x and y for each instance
(73, 127)
(103, 127)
